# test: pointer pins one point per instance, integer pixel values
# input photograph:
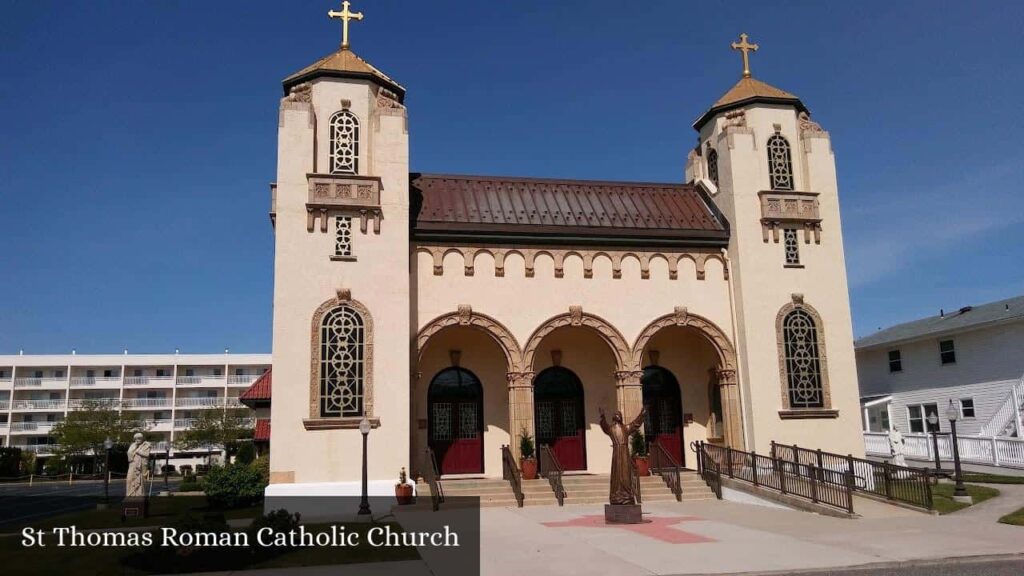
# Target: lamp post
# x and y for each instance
(107, 445)
(364, 504)
(933, 421)
(960, 491)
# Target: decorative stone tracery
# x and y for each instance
(466, 316)
(577, 317)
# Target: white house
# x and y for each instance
(971, 356)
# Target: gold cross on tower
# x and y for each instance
(345, 15)
(744, 47)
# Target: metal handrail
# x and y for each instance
(667, 467)
(433, 478)
(708, 468)
(552, 470)
(634, 479)
(510, 472)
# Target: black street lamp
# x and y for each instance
(107, 445)
(364, 504)
(933, 422)
(960, 491)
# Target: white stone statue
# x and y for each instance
(138, 458)
(896, 447)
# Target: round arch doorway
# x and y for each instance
(455, 414)
(664, 404)
(558, 416)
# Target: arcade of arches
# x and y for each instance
(476, 388)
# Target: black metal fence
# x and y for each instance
(902, 484)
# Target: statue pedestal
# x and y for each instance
(134, 508)
(623, 514)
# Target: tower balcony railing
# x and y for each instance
(95, 381)
(201, 402)
(45, 383)
(242, 379)
(209, 380)
(146, 403)
(149, 381)
(40, 404)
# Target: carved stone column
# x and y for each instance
(629, 393)
(731, 414)
(520, 407)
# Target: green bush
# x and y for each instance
(233, 486)
(190, 484)
(280, 521)
(10, 462)
(262, 465)
(246, 453)
(525, 444)
(638, 444)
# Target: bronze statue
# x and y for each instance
(621, 485)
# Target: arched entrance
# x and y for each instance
(664, 404)
(558, 416)
(455, 414)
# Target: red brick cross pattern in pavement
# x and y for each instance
(656, 527)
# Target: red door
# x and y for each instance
(664, 423)
(455, 423)
(558, 416)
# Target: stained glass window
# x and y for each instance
(803, 365)
(342, 356)
(713, 166)
(780, 167)
(792, 246)
(344, 150)
(343, 236)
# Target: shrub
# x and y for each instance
(186, 469)
(246, 453)
(190, 484)
(262, 465)
(638, 444)
(233, 486)
(525, 444)
(10, 461)
(280, 521)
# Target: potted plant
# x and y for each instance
(403, 490)
(527, 461)
(638, 445)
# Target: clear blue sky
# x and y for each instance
(138, 139)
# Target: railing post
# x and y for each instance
(851, 473)
(728, 460)
(821, 466)
(781, 470)
(813, 477)
(753, 467)
(995, 452)
(887, 474)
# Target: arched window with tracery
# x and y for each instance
(713, 165)
(780, 165)
(802, 358)
(344, 150)
(342, 363)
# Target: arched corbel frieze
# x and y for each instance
(466, 316)
(576, 317)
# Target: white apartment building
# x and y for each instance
(167, 391)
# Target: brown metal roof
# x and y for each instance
(491, 208)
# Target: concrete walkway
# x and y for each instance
(727, 537)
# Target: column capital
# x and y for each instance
(726, 377)
(628, 377)
(520, 379)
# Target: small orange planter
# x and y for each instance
(643, 467)
(403, 493)
(529, 468)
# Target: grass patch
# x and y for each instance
(942, 496)
(992, 478)
(1015, 518)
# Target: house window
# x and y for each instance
(161, 372)
(344, 132)
(343, 236)
(713, 165)
(108, 373)
(792, 247)
(884, 415)
(802, 360)
(947, 352)
(895, 361)
(137, 373)
(342, 363)
(918, 414)
(967, 407)
(90, 373)
(780, 167)
(38, 374)
(58, 373)
(190, 372)
(216, 371)
(239, 372)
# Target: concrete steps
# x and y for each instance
(579, 489)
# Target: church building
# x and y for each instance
(456, 313)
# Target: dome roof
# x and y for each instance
(747, 91)
(344, 64)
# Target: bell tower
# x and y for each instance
(340, 209)
(771, 171)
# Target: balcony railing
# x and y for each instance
(32, 426)
(202, 402)
(201, 380)
(992, 451)
(37, 448)
(39, 382)
(99, 381)
(242, 379)
(184, 422)
(4, 424)
(80, 402)
(149, 381)
(40, 404)
(4, 405)
(146, 403)
(157, 422)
